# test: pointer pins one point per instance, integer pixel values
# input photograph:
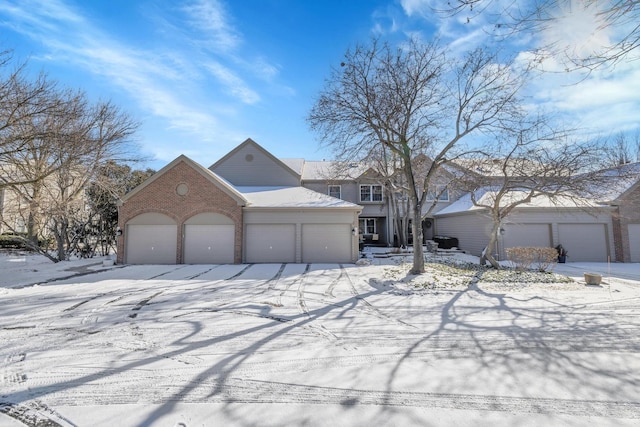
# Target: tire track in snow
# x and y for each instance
(142, 303)
(251, 391)
(302, 305)
(368, 307)
(34, 414)
(256, 391)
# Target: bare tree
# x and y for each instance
(99, 135)
(53, 146)
(623, 149)
(534, 163)
(24, 105)
(414, 100)
(614, 26)
(95, 233)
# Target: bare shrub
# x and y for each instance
(525, 257)
(547, 258)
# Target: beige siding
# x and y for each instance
(251, 166)
(634, 242)
(298, 219)
(472, 231)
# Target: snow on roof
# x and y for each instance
(313, 170)
(619, 180)
(494, 166)
(486, 196)
(295, 164)
(291, 197)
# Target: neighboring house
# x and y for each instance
(359, 183)
(34, 203)
(248, 207)
(356, 183)
(594, 230)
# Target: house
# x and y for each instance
(362, 184)
(356, 183)
(607, 229)
(248, 207)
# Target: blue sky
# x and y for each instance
(203, 75)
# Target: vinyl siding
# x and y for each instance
(472, 228)
(634, 242)
(250, 166)
(298, 218)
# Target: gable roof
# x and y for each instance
(252, 143)
(292, 197)
(621, 180)
(485, 195)
(215, 179)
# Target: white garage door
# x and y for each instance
(527, 235)
(209, 244)
(326, 243)
(151, 244)
(634, 242)
(270, 243)
(584, 242)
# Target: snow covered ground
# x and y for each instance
(84, 344)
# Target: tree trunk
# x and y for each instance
(487, 255)
(60, 233)
(418, 250)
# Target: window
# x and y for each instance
(21, 226)
(441, 192)
(335, 191)
(371, 193)
(367, 226)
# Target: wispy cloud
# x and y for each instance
(601, 102)
(232, 83)
(186, 83)
(210, 17)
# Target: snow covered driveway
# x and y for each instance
(314, 345)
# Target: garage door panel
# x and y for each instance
(584, 242)
(634, 242)
(270, 243)
(527, 235)
(209, 244)
(326, 242)
(151, 244)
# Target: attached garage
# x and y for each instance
(270, 243)
(188, 214)
(634, 242)
(326, 242)
(150, 238)
(584, 242)
(527, 235)
(209, 238)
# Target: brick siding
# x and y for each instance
(160, 196)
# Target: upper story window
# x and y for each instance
(441, 192)
(371, 193)
(335, 191)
